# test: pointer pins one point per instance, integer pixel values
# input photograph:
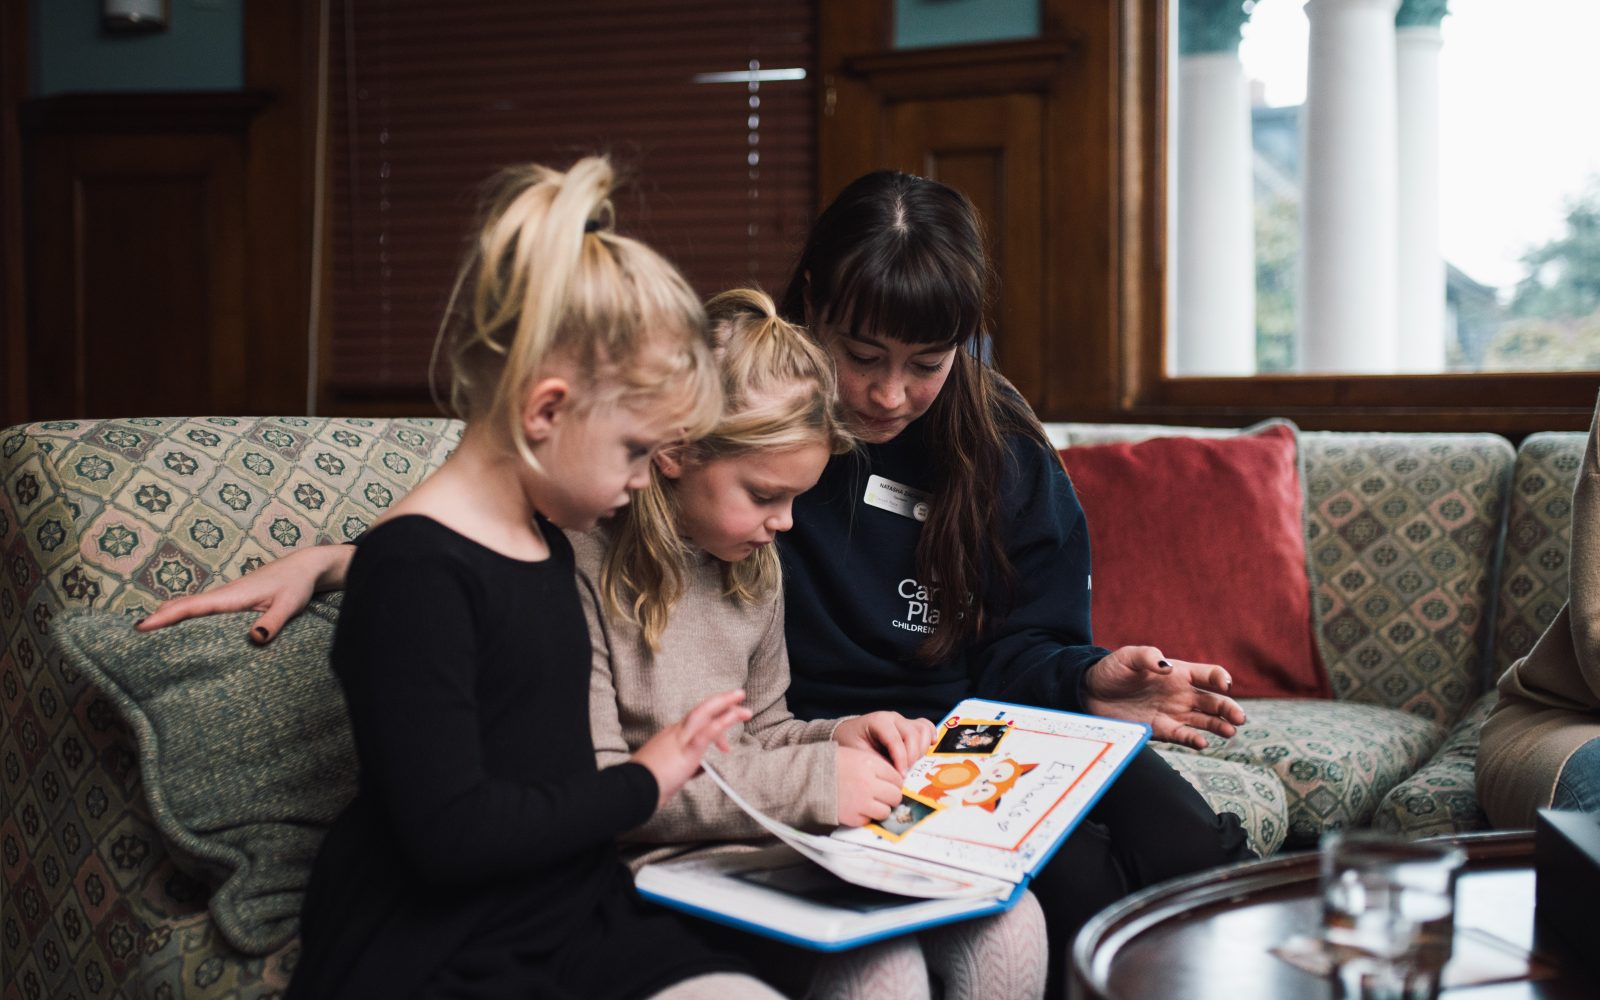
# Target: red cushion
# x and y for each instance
(1198, 549)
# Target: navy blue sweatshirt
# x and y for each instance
(856, 609)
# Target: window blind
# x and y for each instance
(707, 104)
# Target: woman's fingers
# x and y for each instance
(1210, 676)
(1217, 705)
(1185, 735)
(1211, 723)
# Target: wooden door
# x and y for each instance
(988, 148)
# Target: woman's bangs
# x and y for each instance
(896, 297)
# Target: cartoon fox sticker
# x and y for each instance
(974, 783)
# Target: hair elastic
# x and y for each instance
(592, 226)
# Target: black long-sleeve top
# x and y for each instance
(857, 610)
(479, 844)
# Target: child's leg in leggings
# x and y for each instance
(1003, 957)
(719, 986)
(1150, 826)
(892, 968)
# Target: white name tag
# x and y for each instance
(896, 498)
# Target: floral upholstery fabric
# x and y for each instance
(122, 515)
(1400, 533)
(1442, 797)
(1254, 794)
(1336, 760)
(186, 957)
(1533, 578)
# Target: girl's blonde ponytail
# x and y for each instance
(547, 277)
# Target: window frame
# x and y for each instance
(1512, 403)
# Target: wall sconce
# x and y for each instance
(133, 15)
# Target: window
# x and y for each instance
(1367, 192)
(1371, 187)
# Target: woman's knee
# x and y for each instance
(1578, 785)
(1163, 827)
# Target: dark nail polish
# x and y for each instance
(259, 634)
(138, 622)
(1164, 664)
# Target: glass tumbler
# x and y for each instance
(1388, 912)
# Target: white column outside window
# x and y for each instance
(1348, 304)
(1421, 316)
(1215, 286)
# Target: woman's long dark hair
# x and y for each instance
(902, 257)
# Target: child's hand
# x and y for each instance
(279, 590)
(673, 755)
(869, 786)
(898, 739)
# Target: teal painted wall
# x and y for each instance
(202, 49)
(921, 23)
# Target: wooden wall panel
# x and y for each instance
(14, 64)
(137, 256)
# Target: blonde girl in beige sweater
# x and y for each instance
(684, 597)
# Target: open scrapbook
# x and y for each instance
(980, 813)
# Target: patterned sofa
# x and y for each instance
(1408, 572)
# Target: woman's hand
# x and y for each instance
(279, 590)
(888, 734)
(1180, 701)
(673, 755)
(869, 786)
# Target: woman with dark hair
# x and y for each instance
(949, 557)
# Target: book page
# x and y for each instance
(873, 869)
(1001, 786)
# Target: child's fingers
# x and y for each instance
(918, 734)
(270, 623)
(885, 774)
(710, 708)
(183, 608)
(884, 733)
(714, 729)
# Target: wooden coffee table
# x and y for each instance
(1207, 937)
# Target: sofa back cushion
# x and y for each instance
(1533, 576)
(1199, 550)
(1401, 530)
(1401, 535)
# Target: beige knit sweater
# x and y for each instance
(712, 643)
(1549, 702)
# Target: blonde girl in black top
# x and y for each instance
(478, 858)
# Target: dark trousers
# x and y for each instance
(1151, 825)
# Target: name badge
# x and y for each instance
(896, 498)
